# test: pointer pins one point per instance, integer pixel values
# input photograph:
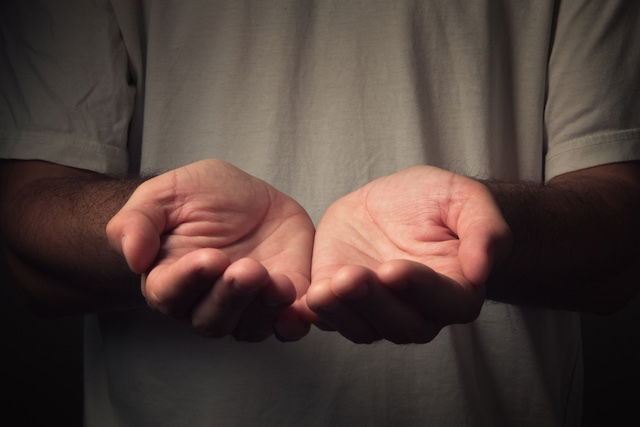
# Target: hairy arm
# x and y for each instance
(414, 251)
(575, 240)
(53, 220)
(214, 245)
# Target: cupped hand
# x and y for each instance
(218, 246)
(405, 255)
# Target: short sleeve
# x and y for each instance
(65, 95)
(592, 112)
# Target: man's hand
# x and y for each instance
(405, 255)
(220, 246)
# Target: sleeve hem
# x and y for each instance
(593, 150)
(64, 149)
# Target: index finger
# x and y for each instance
(435, 296)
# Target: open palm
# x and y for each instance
(220, 246)
(404, 255)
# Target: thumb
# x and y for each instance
(135, 233)
(485, 240)
(481, 251)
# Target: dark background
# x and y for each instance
(42, 365)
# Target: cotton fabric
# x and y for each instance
(318, 98)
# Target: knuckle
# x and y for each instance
(209, 262)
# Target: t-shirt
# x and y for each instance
(318, 98)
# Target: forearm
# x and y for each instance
(54, 234)
(574, 243)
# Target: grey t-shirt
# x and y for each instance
(319, 98)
